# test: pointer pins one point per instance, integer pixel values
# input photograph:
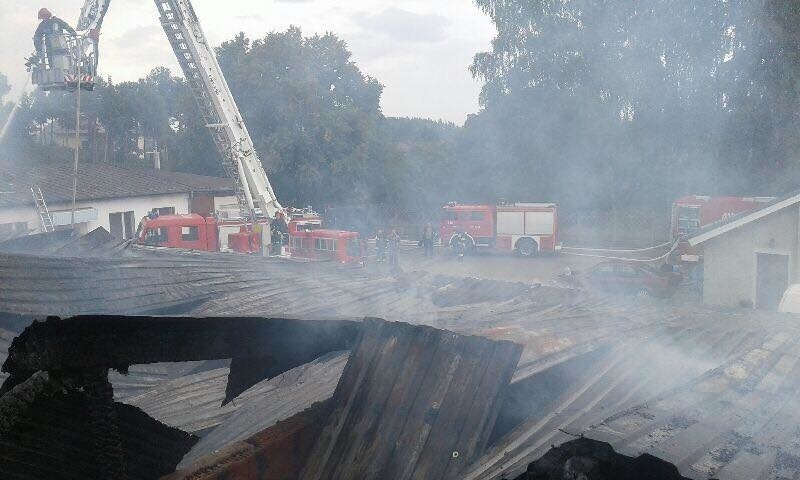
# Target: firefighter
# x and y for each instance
(394, 247)
(428, 239)
(380, 246)
(50, 40)
(279, 232)
(460, 245)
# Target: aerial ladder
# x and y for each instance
(254, 193)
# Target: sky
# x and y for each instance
(418, 49)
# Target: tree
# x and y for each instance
(605, 103)
(312, 113)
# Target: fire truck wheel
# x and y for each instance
(527, 247)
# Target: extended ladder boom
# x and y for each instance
(214, 99)
(204, 76)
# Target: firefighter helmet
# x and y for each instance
(44, 14)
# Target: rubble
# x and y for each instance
(585, 459)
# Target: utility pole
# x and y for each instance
(77, 143)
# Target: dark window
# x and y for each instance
(324, 244)
(115, 224)
(477, 216)
(122, 225)
(448, 215)
(190, 234)
(688, 220)
(166, 211)
(155, 236)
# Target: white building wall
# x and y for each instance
(138, 205)
(729, 261)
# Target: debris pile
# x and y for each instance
(585, 459)
(398, 409)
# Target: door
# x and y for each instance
(772, 278)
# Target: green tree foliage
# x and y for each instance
(604, 103)
(313, 116)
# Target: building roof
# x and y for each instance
(718, 228)
(98, 182)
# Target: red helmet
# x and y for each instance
(44, 14)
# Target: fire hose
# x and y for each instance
(566, 251)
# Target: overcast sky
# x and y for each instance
(419, 49)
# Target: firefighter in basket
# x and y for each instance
(50, 42)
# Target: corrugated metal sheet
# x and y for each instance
(412, 403)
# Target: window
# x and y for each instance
(688, 220)
(155, 236)
(477, 216)
(166, 210)
(190, 234)
(122, 225)
(300, 243)
(450, 215)
(324, 244)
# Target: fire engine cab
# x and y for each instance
(525, 228)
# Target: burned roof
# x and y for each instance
(98, 182)
(699, 386)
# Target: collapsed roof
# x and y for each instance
(647, 377)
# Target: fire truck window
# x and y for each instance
(688, 219)
(477, 216)
(155, 236)
(324, 244)
(190, 234)
(448, 215)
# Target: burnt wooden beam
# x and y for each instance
(260, 347)
(414, 402)
(111, 341)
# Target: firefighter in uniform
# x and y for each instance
(50, 40)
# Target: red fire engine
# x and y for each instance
(526, 228)
(692, 213)
(307, 240)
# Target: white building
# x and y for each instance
(109, 197)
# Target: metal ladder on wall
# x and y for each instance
(41, 208)
(176, 30)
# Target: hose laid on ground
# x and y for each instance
(647, 249)
(640, 260)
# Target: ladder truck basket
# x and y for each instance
(63, 61)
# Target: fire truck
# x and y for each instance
(524, 228)
(307, 239)
(692, 213)
(76, 68)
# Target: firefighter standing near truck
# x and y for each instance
(460, 245)
(428, 239)
(394, 248)
(380, 246)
